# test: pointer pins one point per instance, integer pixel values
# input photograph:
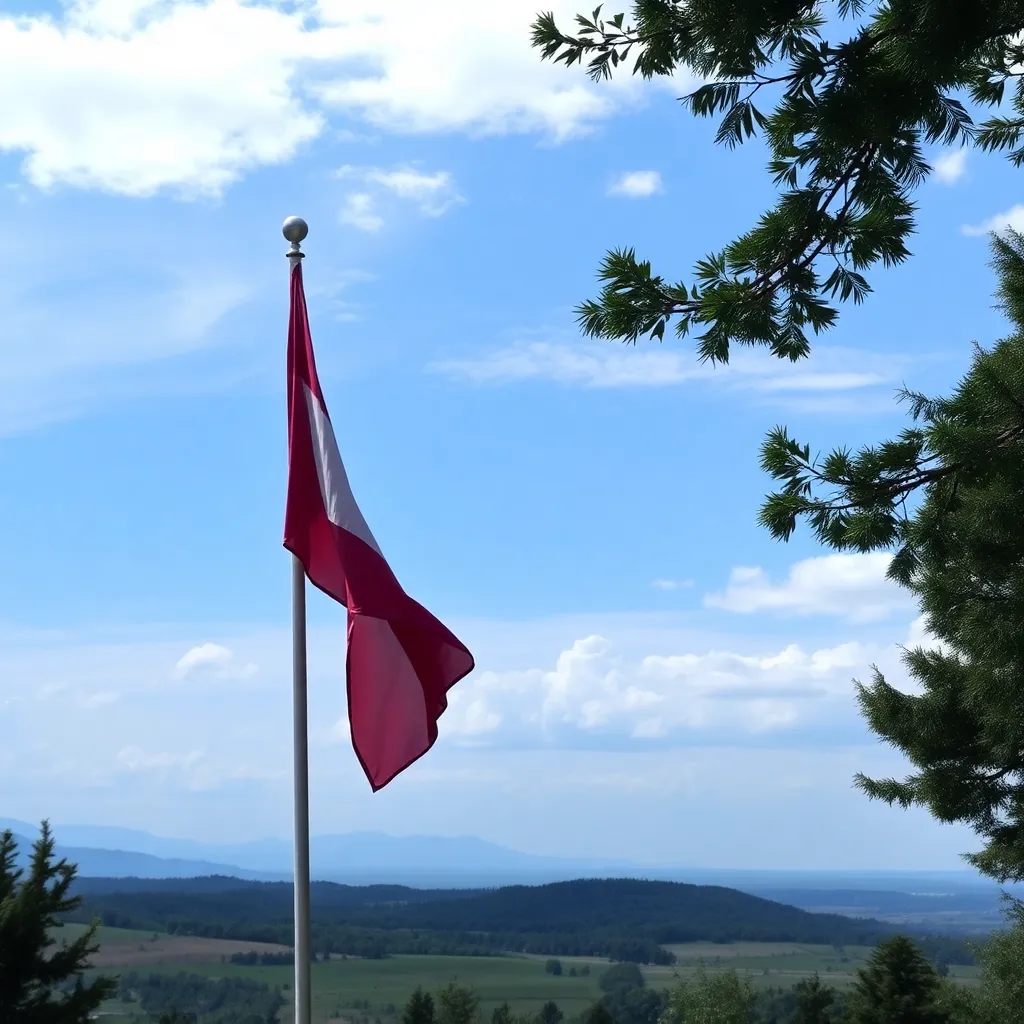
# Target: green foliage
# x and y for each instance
(187, 997)
(621, 976)
(40, 981)
(550, 1013)
(845, 120)
(618, 919)
(457, 1004)
(813, 1002)
(597, 1014)
(784, 1006)
(636, 1005)
(1001, 994)
(898, 986)
(501, 1015)
(420, 1009)
(553, 967)
(711, 999)
(947, 494)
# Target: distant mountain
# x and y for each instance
(358, 857)
(128, 864)
(439, 862)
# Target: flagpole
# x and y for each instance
(294, 231)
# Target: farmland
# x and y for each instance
(362, 990)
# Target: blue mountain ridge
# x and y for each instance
(433, 862)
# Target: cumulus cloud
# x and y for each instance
(636, 184)
(134, 96)
(432, 194)
(593, 691)
(852, 586)
(950, 167)
(212, 660)
(1012, 218)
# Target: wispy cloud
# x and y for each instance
(829, 371)
(432, 194)
(359, 209)
(671, 584)
(951, 166)
(213, 660)
(1011, 218)
(636, 184)
(854, 587)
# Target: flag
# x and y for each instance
(401, 661)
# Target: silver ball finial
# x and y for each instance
(294, 230)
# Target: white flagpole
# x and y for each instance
(295, 230)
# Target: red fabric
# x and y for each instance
(401, 661)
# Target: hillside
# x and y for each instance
(616, 918)
(666, 912)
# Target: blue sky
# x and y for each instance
(657, 678)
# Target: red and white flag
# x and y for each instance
(401, 661)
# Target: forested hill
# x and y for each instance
(617, 918)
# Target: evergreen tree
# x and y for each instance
(845, 119)
(420, 1008)
(41, 982)
(502, 1014)
(550, 1013)
(813, 1000)
(898, 986)
(947, 494)
(597, 1014)
(457, 1004)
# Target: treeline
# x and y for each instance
(215, 1001)
(254, 959)
(626, 999)
(619, 919)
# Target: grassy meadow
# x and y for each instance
(365, 991)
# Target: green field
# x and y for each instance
(70, 932)
(341, 988)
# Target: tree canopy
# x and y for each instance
(846, 107)
(947, 495)
(898, 985)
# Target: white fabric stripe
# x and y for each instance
(341, 506)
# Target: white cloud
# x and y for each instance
(590, 364)
(433, 194)
(359, 210)
(852, 586)
(215, 660)
(951, 166)
(636, 184)
(662, 705)
(671, 584)
(594, 691)
(138, 760)
(134, 96)
(1012, 218)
